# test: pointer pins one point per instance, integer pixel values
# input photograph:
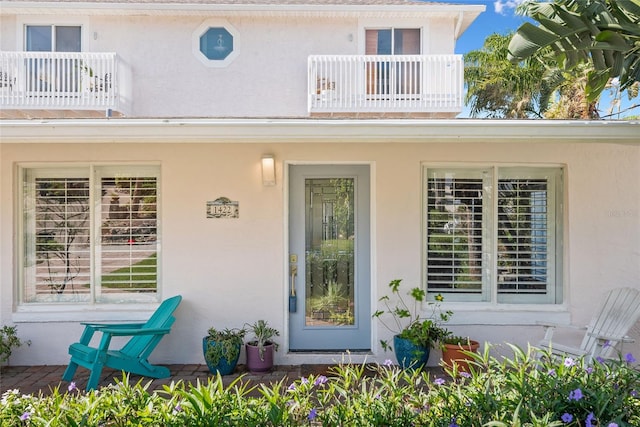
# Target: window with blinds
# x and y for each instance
(128, 233)
(454, 232)
(522, 236)
(61, 229)
(494, 234)
(90, 234)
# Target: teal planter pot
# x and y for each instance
(224, 366)
(409, 355)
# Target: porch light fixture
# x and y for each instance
(268, 170)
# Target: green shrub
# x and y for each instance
(8, 341)
(522, 390)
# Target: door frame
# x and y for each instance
(285, 256)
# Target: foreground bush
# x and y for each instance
(519, 391)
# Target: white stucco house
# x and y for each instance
(241, 153)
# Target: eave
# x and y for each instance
(464, 14)
(87, 131)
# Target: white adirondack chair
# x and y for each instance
(607, 331)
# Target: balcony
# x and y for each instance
(414, 84)
(61, 81)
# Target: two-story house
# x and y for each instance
(246, 154)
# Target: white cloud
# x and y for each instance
(502, 7)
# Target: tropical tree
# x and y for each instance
(603, 33)
(499, 89)
(570, 99)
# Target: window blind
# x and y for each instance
(454, 233)
(523, 254)
(128, 229)
(62, 237)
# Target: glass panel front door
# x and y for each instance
(329, 242)
(330, 238)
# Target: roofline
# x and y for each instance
(315, 131)
(157, 8)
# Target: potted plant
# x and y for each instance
(260, 350)
(221, 349)
(414, 336)
(456, 349)
(8, 341)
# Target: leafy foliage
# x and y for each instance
(603, 33)
(407, 322)
(228, 344)
(8, 341)
(500, 89)
(262, 335)
(520, 390)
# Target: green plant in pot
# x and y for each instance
(414, 335)
(8, 341)
(456, 352)
(261, 348)
(221, 349)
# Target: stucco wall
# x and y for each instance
(233, 271)
(268, 78)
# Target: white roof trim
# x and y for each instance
(310, 131)
(151, 8)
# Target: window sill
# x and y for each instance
(511, 315)
(84, 313)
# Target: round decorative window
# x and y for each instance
(215, 43)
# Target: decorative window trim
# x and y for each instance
(484, 243)
(202, 29)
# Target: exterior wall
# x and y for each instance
(230, 272)
(268, 78)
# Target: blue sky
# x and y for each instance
(500, 17)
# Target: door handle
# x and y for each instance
(293, 269)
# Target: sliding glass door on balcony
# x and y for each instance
(45, 74)
(385, 78)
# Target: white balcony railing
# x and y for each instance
(58, 80)
(385, 83)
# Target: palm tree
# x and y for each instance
(500, 89)
(603, 33)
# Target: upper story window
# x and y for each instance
(53, 38)
(494, 234)
(89, 234)
(392, 41)
(216, 43)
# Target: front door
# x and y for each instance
(329, 284)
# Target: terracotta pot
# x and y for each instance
(453, 353)
(254, 363)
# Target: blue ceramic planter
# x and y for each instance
(410, 355)
(224, 366)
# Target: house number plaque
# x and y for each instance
(222, 207)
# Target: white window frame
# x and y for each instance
(23, 21)
(386, 24)
(489, 295)
(94, 172)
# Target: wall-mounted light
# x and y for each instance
(268, 170)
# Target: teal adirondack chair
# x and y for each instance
(132, 357)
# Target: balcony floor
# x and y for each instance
(17, 114)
